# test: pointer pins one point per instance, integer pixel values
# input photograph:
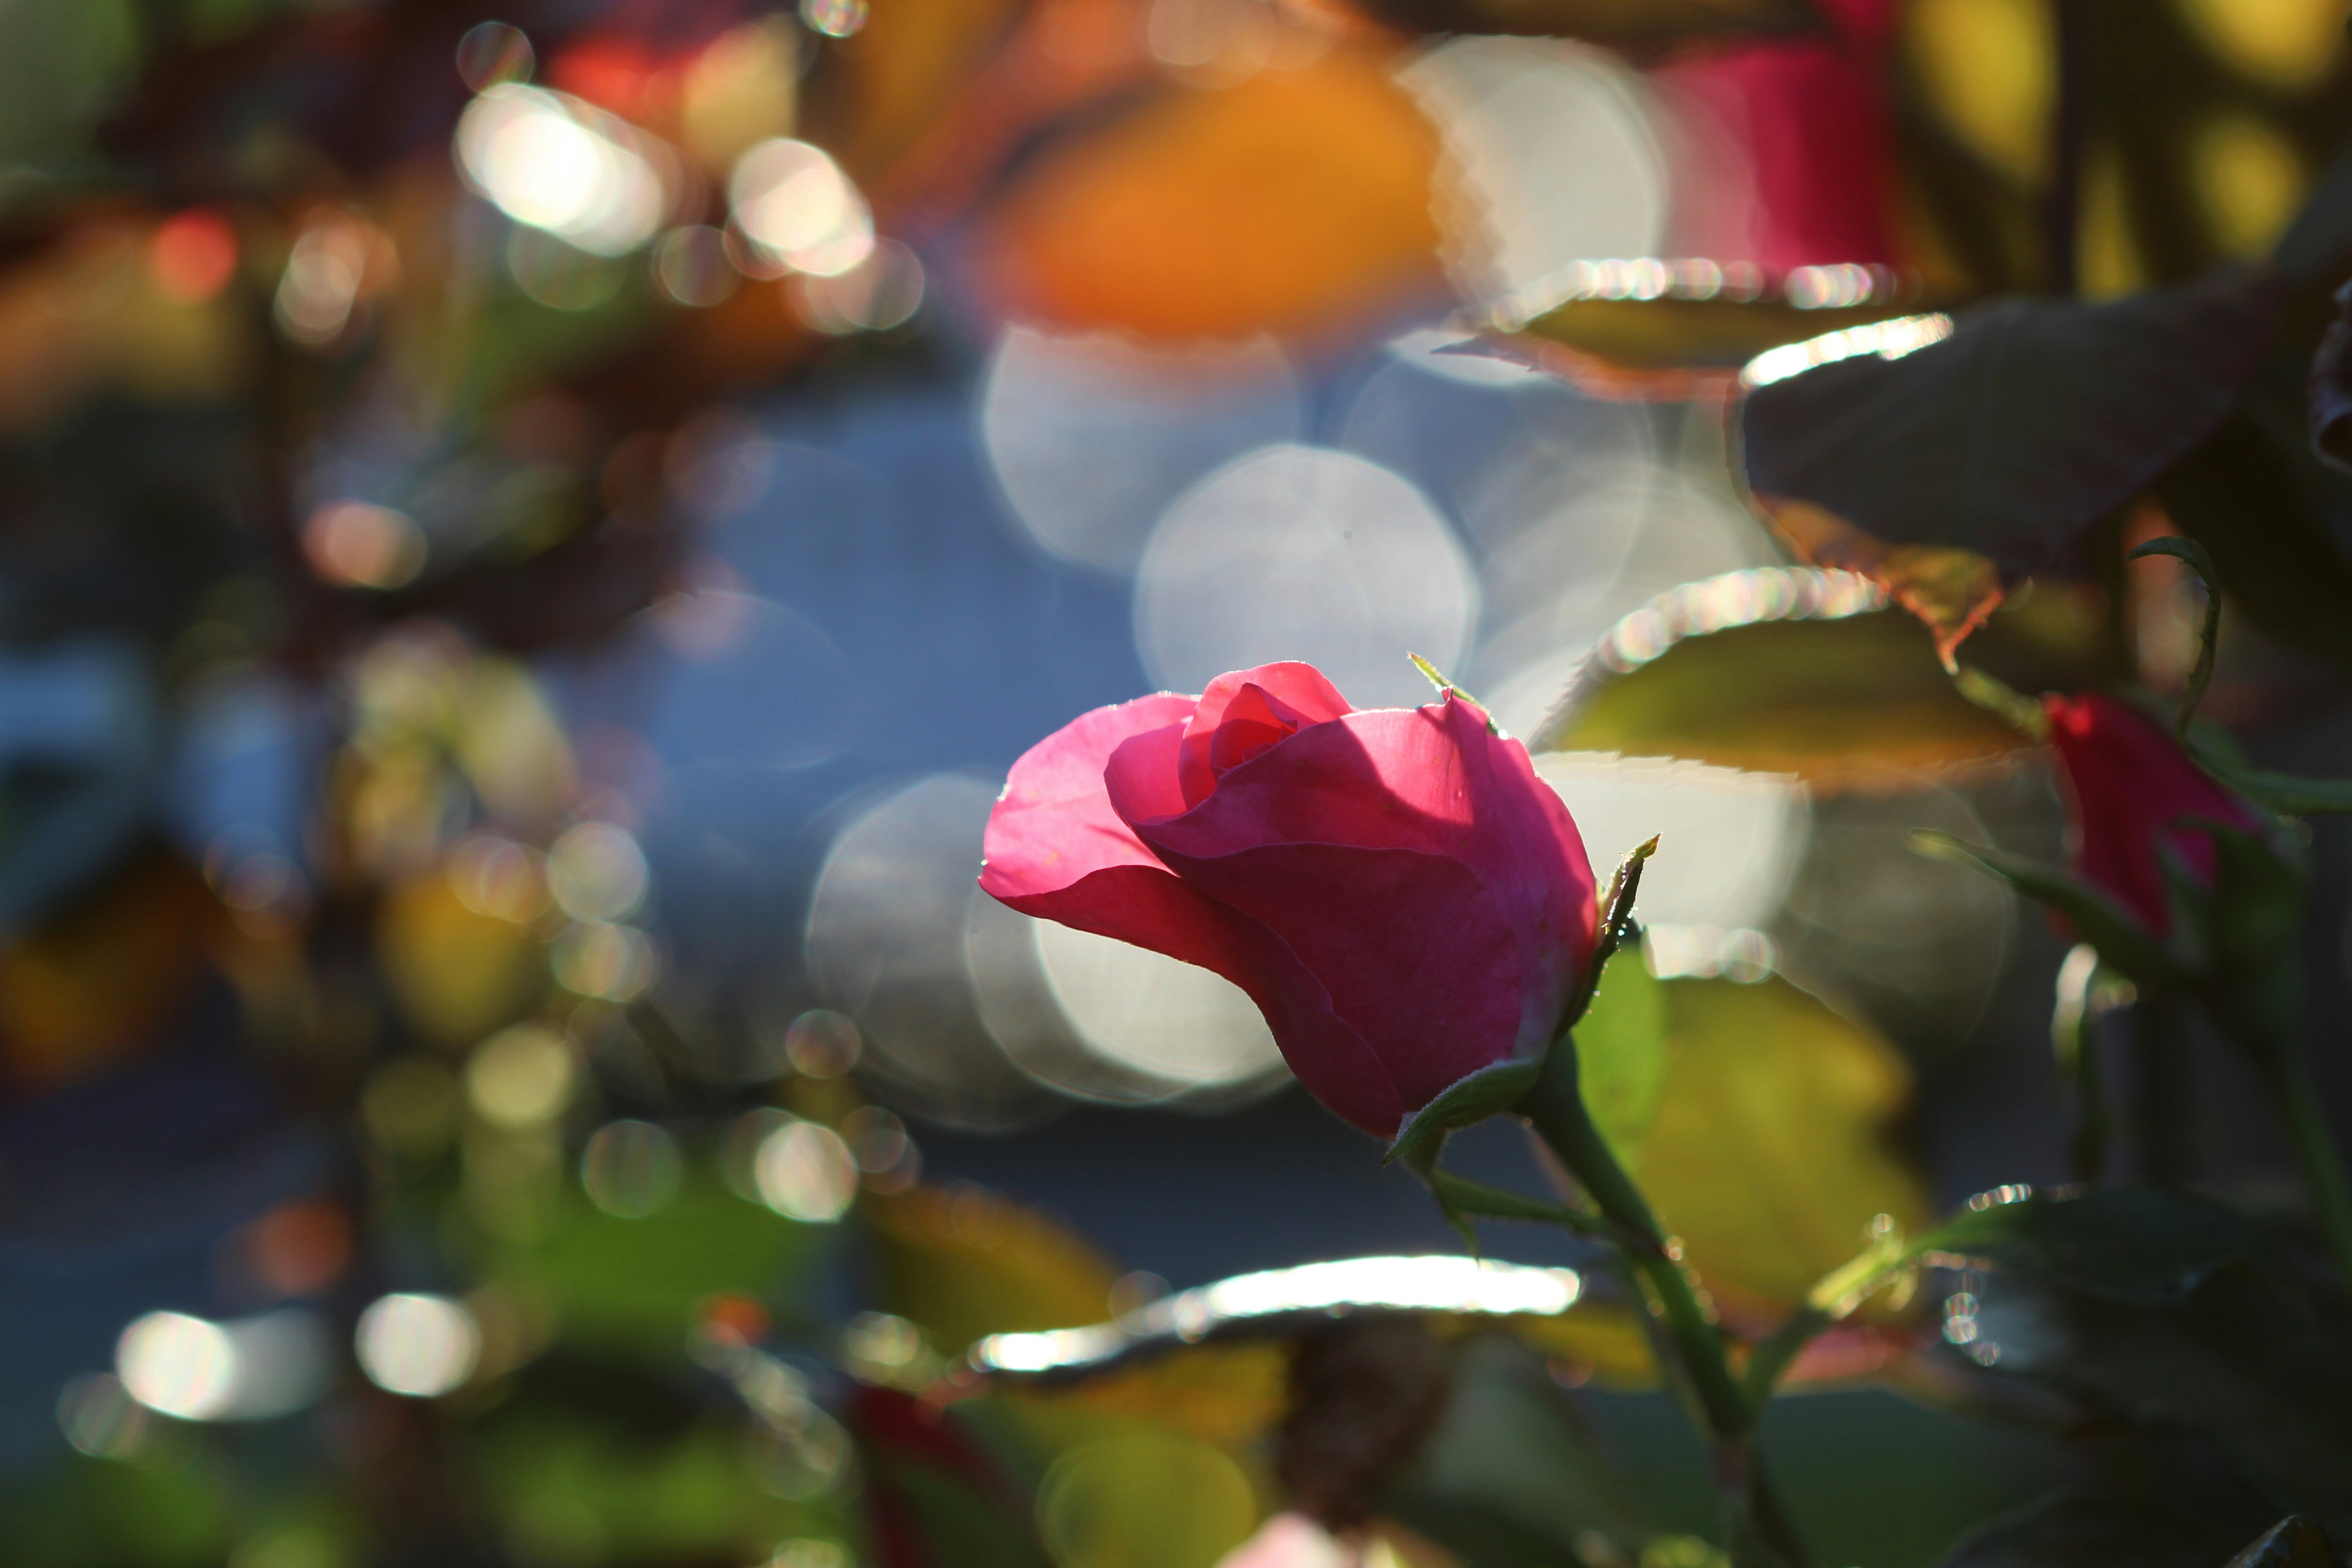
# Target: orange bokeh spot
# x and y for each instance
(299, 1248)
(734, 1320)
(192, 255)
(1294, 202)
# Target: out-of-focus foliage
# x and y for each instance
(382, 388)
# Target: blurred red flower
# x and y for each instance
(2131, 791)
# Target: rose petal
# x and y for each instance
(1056, 849)
(1299, 687)
(1055, 823)
(1254, 720)
(1430, 779)
(1414, 951)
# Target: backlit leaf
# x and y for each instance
(637, 1281)
(1668, 347)
(1772, 1154)
(1853, 701)
(966, 1263)
(1621, 1054)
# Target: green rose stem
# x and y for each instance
(2313, 1141)
(1759, 1530)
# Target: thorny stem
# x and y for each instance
(1759, 1532)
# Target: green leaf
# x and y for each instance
(963, 1265)
(2124, 944)
(1857, 701)
(1620, 1055)
(2284, 793)
(2034, 419)
(1489, 1091)
(1771, 1154)
(2248, 925)
(634, 1283)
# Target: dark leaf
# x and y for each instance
(2331, 388)
(1514, 1472)
(2247, 926)
(2294, 1542)
(2122, 1243)
(2272, 515)
(2250, 1357)
(2162, 1309)
(1624, 24)
(2130, 1498)
(1365, 1394)
(2284, 792)
(2032, 420)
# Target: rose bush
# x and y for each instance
(1402, 895)
(2131, 793)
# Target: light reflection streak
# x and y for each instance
(1425, 1284)
(1888, 340)
(1734, 599)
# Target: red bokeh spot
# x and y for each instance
(192, 255)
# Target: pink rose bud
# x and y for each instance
(1403, 897)
(2128, 788)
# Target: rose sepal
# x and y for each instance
(2288, 794)
(1492, 1091)
(2122, 943)
(2239, 936)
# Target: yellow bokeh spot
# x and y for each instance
(455, 974)
(2285, 44)
(1989, 68)
(2249, 181)
(1145, 1498)
(2109, 254)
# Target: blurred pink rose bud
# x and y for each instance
(2128, 785)
(1403, 897)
